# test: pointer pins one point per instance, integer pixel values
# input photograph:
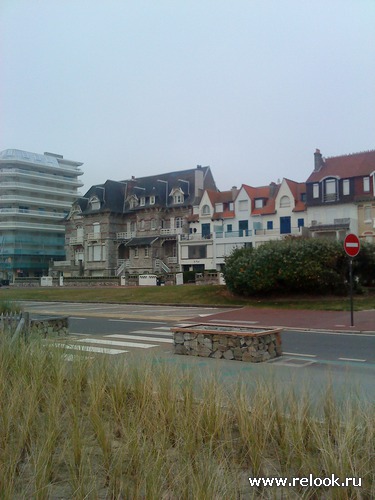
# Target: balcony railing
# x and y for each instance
(234, 234)
(15, 198)
(30, 225)
(94, 236)
(170, 231)
(76, 240)
(126, 235)
(7, 172)
(32, 213)
(171, 260)
(40, 189)
(196, 237)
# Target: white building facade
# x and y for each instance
(36, 193)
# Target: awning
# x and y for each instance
(141, 242)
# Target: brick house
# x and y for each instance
(132, 225)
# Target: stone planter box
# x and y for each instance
(249, 344)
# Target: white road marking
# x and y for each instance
(77, 317)
(148, 332)
(137, 337)
(300, 354)
(86, 348)
(135, 321)
(353, 359)
(167, 328)
(117, 343)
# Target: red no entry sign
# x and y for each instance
(351, 245)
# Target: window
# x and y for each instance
(142, 225)
(143, 201)
(94, 203)
(132, 226)
(229, 228)
(259, 202)
(178, 196)
(133, 202)
(269, 224)
(345, 187)
(178, 222)
(153, 224)
(152, 200)
(243, 205)
(285, 202)
(96, 228)
(95, 253)
(301, 222)
(206, 210)
(366, 184)
(135, 252)
(197, 252)
(147, 252)
(330, 186)
(316, 190)
(367, 213)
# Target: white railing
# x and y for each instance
(6, 172)
(172, 260)
(38, 188)
(38, 213)
(62, 263)
(159, 264)
(126, 235)
(94, 236)
(170, 231)
(196, 237)
(30, 225)
(76, 240)
(36, 201)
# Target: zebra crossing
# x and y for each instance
(115, 343)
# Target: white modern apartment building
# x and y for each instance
(36, 193)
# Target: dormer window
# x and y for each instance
(366, 184)
(178, 196)
(345, 187)
(206, 210)
(133, 201)
(259, 203)
(152, 200)
(143, 201)
(330, 190)
(94, 203)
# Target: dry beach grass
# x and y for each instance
(94, 428)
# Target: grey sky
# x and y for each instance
(142, 87)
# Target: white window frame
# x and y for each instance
(367, 214)
(316, 190)
(285, 202)
(206, 210)
(259, 203)
(243, 205)
(178, 222)
(142, 201)
(366, 184)
(136, 252)
(152, 200)
(345, 187)
(147, 252)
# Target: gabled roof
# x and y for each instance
(224, 198)
(266, 193)
(297, 189)
(346, 166)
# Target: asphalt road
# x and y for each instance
(345, 359)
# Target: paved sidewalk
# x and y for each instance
(364, 321)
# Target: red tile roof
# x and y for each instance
(267, 193)
(353, 165)
(297, 189)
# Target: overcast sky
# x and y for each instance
(141, 87)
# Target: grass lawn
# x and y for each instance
(187, 295)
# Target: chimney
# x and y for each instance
(318, 160)
(234, 192)
(273, 187)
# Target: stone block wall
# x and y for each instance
(49, 327)
(218, 341)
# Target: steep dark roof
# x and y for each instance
(110, 194)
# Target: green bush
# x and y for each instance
(293, 265)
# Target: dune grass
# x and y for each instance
(188, 295)
(95, 428)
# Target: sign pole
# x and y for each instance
(351, 247)
(351, 290)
